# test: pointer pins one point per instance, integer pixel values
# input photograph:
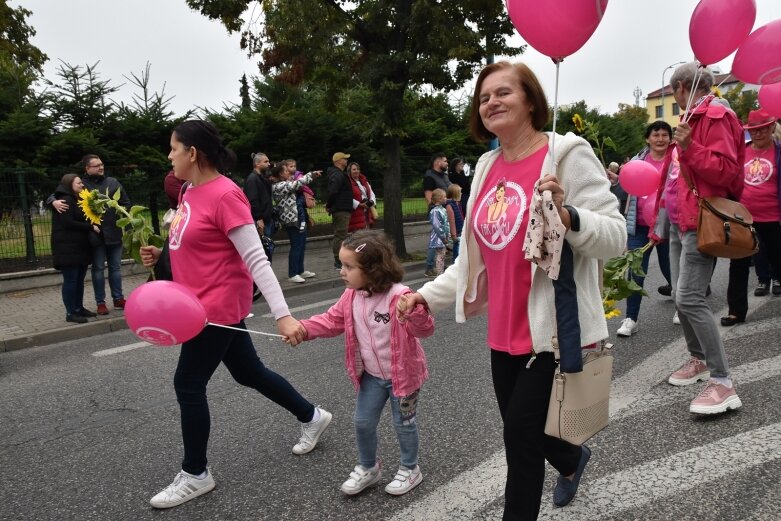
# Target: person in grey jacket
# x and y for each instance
(509, 104)
(111, 235)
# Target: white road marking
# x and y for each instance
(329, 302)
(120, 349)
(468, 493)
(640, 485)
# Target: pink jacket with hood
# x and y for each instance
(713, 161)
(408, 362)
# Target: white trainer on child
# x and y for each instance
(360, 478)
(404, 481)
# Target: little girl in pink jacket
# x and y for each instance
(383, 356)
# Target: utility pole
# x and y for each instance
(637, 92)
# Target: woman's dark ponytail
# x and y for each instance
(205, 137)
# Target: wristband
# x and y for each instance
(574, 218)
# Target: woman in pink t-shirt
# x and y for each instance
(761, 196)
(492, 274)
(216, 252)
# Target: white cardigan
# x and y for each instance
(602, 235)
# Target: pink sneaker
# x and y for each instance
(693, 371)
(715, 399)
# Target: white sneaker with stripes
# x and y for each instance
(184, 488)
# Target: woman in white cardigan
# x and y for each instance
(509, 104)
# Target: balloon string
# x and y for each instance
(695, 87)
(552, 148)
(246, 330)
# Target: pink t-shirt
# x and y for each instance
(202, 256)
(500, 216)
(672, 186)
(642, 202)
(372, 317)
(760, 193)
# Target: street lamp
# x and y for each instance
(664, 86)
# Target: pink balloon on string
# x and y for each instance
(639, 178)
(164, 313)
(717, 28)
(758, 59)
(556, 29)
(769, 97)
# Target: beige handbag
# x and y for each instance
(580, 402)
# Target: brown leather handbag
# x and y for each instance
(725, 228)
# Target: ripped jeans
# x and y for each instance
(372, 395)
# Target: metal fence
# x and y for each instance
(25, 220)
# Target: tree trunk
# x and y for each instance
(393, 222)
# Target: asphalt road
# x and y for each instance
(90, 430)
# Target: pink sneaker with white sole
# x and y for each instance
(693, 371)
(715, 399)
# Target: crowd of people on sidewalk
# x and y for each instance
(528, 231)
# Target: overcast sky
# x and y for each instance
(201, 64)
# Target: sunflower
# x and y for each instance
(93, 210)
(578, 121)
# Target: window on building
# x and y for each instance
(676, 110)
(659, 111)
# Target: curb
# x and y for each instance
(110, 325)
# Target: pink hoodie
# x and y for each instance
(408, 362)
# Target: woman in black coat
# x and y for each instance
(71, 248)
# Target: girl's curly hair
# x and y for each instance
(377, 258)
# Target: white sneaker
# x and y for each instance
(676, 320)
(307, 274)
(360, 478)
(297, 278)
(628, 328)
(404, 481)
(184, 488)
(310, 432)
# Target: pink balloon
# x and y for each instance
(556, 28)
(770, 99)
(717, 28)
(649, 208)
(639, 178)
(758, 59)
(164, 313)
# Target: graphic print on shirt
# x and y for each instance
(499, 214)
(758, 170)
(178, 225)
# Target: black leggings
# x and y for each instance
(198, 360)
(523, 396)
(770, 247)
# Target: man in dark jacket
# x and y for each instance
(111, 235)
(257, 188)
(339, 202)
(436, 176)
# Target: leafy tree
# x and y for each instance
(389, 47)
(742, 102)
(81, 99)
(244, 92)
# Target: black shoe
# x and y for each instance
(565, 489)
(762, 289)
(84, 312)
(665, 290)
(731, 320)
(776, 287)
(75, 318)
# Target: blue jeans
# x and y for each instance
(113, 254)
(73, 288)
(295, 259)
(198, 360)
(691, 272)
(638, 240)
(432, 253)
(372, 395)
